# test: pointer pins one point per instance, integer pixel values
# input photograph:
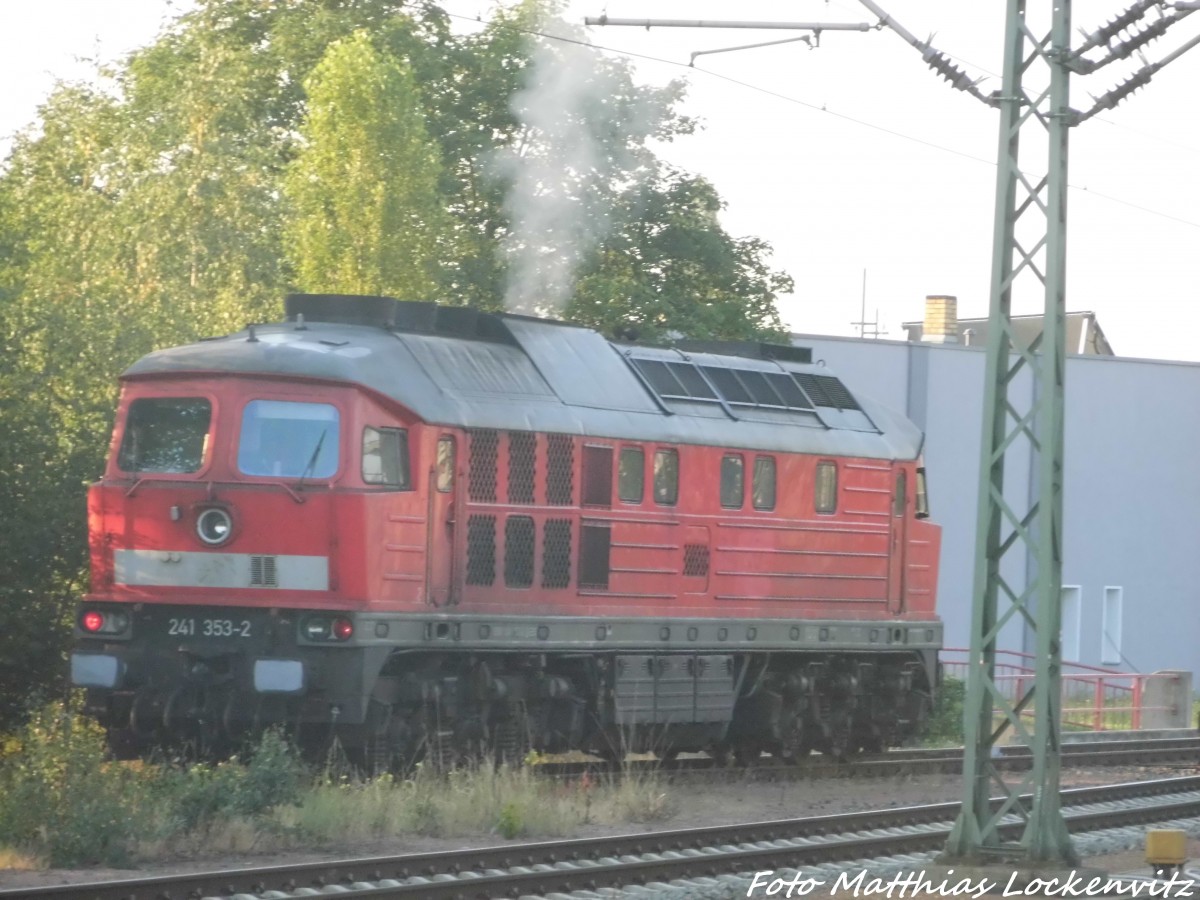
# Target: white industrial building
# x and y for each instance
(1131, 569)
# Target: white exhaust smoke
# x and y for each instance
(579, 152)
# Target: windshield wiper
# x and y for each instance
(312, 460)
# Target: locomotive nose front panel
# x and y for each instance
(175, 568)
(174, 541)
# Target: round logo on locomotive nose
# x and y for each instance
(214, 526)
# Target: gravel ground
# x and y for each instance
(691, 807)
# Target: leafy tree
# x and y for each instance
(367, 216)
(672, 270)
(148, 211)
(58, 340)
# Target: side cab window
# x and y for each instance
(385, 458)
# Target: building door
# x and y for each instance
(442, 536)
(898, 547)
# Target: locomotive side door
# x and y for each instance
(898, 545)
(441, 536)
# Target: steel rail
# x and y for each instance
(908, 762)
(590, 862)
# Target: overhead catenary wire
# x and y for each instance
(816, 107)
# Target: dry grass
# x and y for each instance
(223, 837)
(63, 804)
(16, 861)
(510, 802)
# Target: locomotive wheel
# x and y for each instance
(123, 744)
(922, 706)
(871, 745)
(386, 750)
(795, 754)
(145, 715)
(720, 754)
(839, 745)
(746, 756)
(440, 753)
(610, 755)
(510, 743)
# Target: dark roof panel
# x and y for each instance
(520, 374)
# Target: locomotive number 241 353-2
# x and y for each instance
(209, 627)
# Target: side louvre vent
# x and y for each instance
(481, 550)
(484, 455)
(522, 459)
(263, 572)
(560, 469)
(695, 560)
(556, 553)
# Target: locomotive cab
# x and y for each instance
(230, 541)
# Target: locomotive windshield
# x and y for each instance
(165, 434)
(286, 439)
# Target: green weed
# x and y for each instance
(945, 726)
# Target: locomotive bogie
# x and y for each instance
(608, 686)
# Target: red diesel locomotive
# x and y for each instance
(422, 529)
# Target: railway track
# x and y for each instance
(703, 855)
(895, 762)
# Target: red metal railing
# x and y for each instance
(1093, 698)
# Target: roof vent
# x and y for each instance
(412, 316)
(346, 309)
(750, 349)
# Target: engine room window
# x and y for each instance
(385, 457)
(165, 434)
(597, 476)
(825, 494)
(666, 477)
(922, 511)
(445, 464)
(733, 481)
(631, 474)
(900, 499)
(763, 489)
(595, 542)
(286, 439)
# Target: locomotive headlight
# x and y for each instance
(322, 628)
(316, 629)
(214, 526)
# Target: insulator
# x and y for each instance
(1120, 23)
(1119, 93)
(1150, 33)
(959, 79)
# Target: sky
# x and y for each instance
(852, 160)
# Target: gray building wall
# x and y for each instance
(1131, 490)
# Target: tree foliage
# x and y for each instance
(259, 146)
(367, 216)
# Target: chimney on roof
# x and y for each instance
(941, 319)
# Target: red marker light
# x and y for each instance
(343, 629)
(92, 621)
